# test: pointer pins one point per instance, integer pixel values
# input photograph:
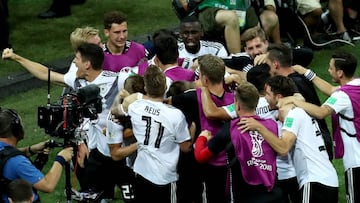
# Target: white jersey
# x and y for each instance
(340, 102)
(159, 129)
(109, 84)
(206, 47)
(284, 164)
(309, 155)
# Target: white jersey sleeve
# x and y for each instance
(73, 67)
(292, 121)
(338, 101)
(230, 110)
(70, 78)
(114, 132)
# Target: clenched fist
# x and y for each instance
(8, 54)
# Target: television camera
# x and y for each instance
(62, 118)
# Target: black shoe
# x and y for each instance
(51, 14)
(355, 32)
(342, 36)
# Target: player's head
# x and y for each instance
(113, 17)
(255, 42)
(165, 47)
(258, 75)
(155, 82)
(342, 65)
(85, 34)
(279, 56)
(246, 96)
(179, 87)
(212, 69)
(277, 87)
(191, 32)
(115, 29)
(91, 53)
(11, 124)
(134, 83)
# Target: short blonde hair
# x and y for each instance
(212, 67)
(247, 95)
(155, 82)
(81, 35)
(253, 33)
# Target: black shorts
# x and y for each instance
(290, 189)
(352, 184)
(158, 193)
(215, 178)
(316, 192)
(189, 187)
(102, 173)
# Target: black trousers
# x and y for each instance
(4, 26)
(102, 174)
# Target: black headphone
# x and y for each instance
(15, 126)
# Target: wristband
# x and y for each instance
(309, 74)
(122, 109)
(60, 159)
(31, 152)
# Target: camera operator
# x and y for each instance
(101, 172)
(20, 166)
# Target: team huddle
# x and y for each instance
(188, 122)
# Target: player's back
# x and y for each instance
(159, 129)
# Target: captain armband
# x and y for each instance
(309, 74)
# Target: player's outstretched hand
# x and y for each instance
(8, 53)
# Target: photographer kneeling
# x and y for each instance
(19, 166)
